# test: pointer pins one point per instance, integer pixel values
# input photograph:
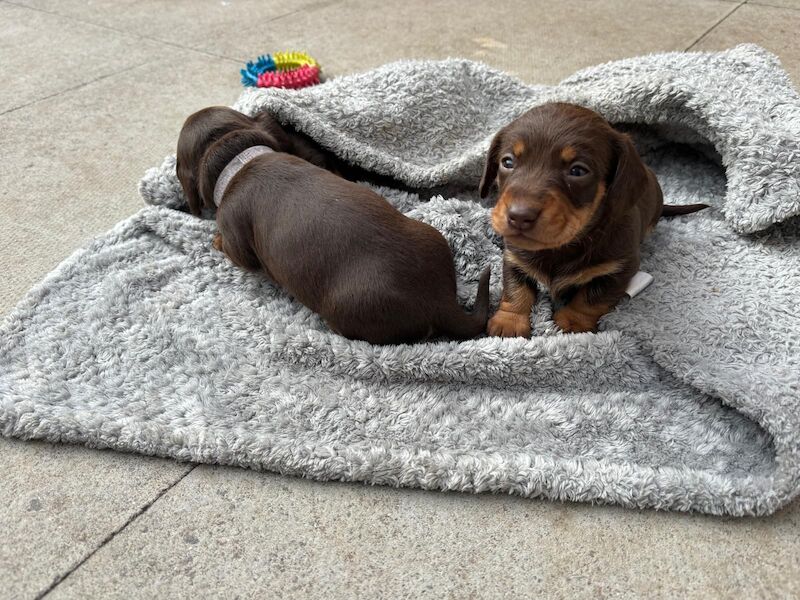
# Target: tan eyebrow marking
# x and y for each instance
(568, 154)
(518, 148)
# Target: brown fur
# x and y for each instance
(371, 272)
(214, 123)
(578, 233)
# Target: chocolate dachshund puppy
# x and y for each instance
(339, 248)
(575, 203)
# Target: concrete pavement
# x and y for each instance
(93, 94)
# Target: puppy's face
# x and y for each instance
(554, 167)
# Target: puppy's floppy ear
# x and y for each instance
(490, 168)
(265, 121)
(629, 180)
(189, 185)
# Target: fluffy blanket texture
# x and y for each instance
(149, 341)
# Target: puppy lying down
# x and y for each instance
(342, 250)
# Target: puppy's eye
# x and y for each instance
(578, 170)
(507, 161)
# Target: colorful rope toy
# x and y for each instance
(292, 70)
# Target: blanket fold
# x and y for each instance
(148, 341)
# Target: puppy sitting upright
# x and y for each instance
(371, 272)
(575, 203)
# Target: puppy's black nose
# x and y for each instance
(522, 216)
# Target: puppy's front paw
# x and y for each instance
(217, 242)
(508, 324)
(572, 321)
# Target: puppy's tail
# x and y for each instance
(671, 210)
(464, 325)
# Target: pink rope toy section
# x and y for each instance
(296, 78)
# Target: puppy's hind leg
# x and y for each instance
(236, 239)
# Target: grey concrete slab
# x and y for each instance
(60, 503)
(206, 24)
(72, 163)
(794, 4)
(250, 535)
(540, 41)
(773, 28)
(42, 55)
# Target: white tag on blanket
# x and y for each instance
(638, 283)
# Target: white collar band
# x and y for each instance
(233, 167)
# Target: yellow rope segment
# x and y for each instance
(286, 61)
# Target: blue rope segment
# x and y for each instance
(252, 69)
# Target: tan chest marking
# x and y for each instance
(584, 276)
(561, 283)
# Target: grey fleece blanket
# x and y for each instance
(149, 341)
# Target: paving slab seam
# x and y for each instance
(314, 6)
(715, 25)
(794, 8)
(144, 508)
(78, 86)
(131, 33)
